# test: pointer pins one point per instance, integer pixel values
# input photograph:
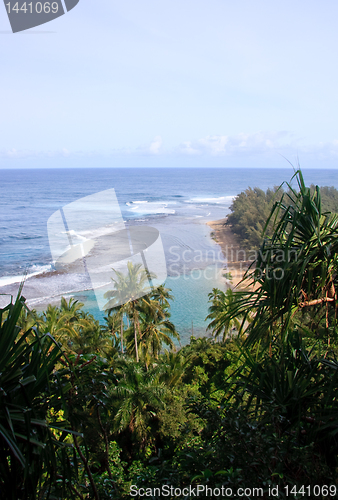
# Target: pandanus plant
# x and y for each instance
(296, 268)
(36, 461)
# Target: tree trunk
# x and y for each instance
(121, 335)
(87, 468)
(135, 335)
(106, 442)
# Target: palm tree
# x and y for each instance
(53, 322)
(130, 293)
(138, 396)
(67, 323)
(71, 308)
(171, 366)
(118, 298)
(88, 337)
(112, 327)
(221, 323)
(156, 331)
(147, 312)
(162, 295)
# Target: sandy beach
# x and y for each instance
(235, 256)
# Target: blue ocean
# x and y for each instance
(177, 202)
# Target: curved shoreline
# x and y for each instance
(234, 255)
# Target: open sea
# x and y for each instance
(177, 202)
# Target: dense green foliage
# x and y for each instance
(295, 274)
(250, 211)
(34, 444)
(105, 407)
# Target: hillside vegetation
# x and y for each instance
(251, 208)
(113, 410)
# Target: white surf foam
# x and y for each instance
(34, 271)
(150, 207)
(216, 200)
(135, 202)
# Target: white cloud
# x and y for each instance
(57, 153)
(187, 148)
(219, 145)
(18, 153)
(240, 145)
(215, 144)
(155, 146)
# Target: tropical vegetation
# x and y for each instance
(251, 209)
(90, 410)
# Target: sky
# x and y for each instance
(179, 83)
